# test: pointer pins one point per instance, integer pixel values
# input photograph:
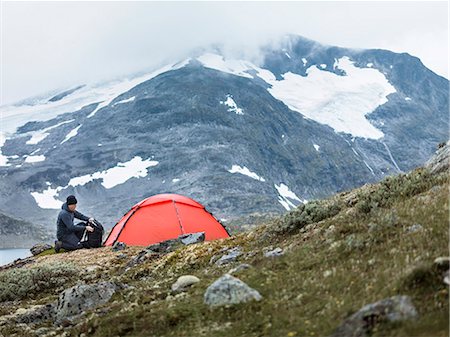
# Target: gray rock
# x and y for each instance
(414, 228)
(184, 282)
(73, 301)
(274, 253)
(442, 262)
(361, 323)
(447, 277)
(440, 162)
(118, 246)
(39, 248)
(238, 269)
(229, 290)
(231, 256)
(189, 239)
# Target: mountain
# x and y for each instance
(307, 121)
(17, 233)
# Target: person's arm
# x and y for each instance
(69, 224)
(80, 216)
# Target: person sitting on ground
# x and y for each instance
(68, 234)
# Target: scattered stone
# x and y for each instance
(184, 282)
(414, 228)
(192, 238)
(229, 290)
(442, 262)
(231, 256)
(447, 277)
(39, 248)
(361, 323)
(274, 253)
(118, 246)
(238, 269)
(74, 301)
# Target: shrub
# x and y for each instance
(20, 283)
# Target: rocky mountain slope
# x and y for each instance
(368, 262)
(16, 233)
(306, 122)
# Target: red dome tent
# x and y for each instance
(163, 217)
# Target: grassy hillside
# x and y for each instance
(341, 253)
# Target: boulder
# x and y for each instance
(230, 256)
(192, 238)
(39, 248)
(361, 323)
(118, 246)
(74, 301)
(229, 290)
(184, 282)
(274, 252)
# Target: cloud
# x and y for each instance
(56, 45)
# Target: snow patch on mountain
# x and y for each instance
(232, 105)
(40, 135)
(231, 66)
(245, 171)
(34, 159)
(117, 175)
(286, 195)
(131, 99)
(71, 134)
(110, 178)
(341, 102)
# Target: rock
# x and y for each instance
(440, 162)
(165, 246)
(274, 253)
(39, 248)
(73, 301)
(189, 239)
(231, 256)
(184, 282)
(141, 257)
(229, 290)
(118, 246)
(447, 277)
(238, 269)
(361, 323)
(414, 228)
(442, 262)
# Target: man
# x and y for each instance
(68, 234)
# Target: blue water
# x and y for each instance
(9, 255)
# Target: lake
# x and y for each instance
(9, 255)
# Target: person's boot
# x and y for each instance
(58, 245)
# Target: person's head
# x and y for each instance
(71, 202)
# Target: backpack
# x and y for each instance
(93, 239)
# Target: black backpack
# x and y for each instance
(93, 239)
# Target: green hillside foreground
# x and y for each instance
(338, 254)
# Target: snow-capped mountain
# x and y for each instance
(239, 137)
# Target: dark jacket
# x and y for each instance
(64, 224)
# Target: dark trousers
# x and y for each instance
(71, 241)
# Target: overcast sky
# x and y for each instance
(55, 45)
